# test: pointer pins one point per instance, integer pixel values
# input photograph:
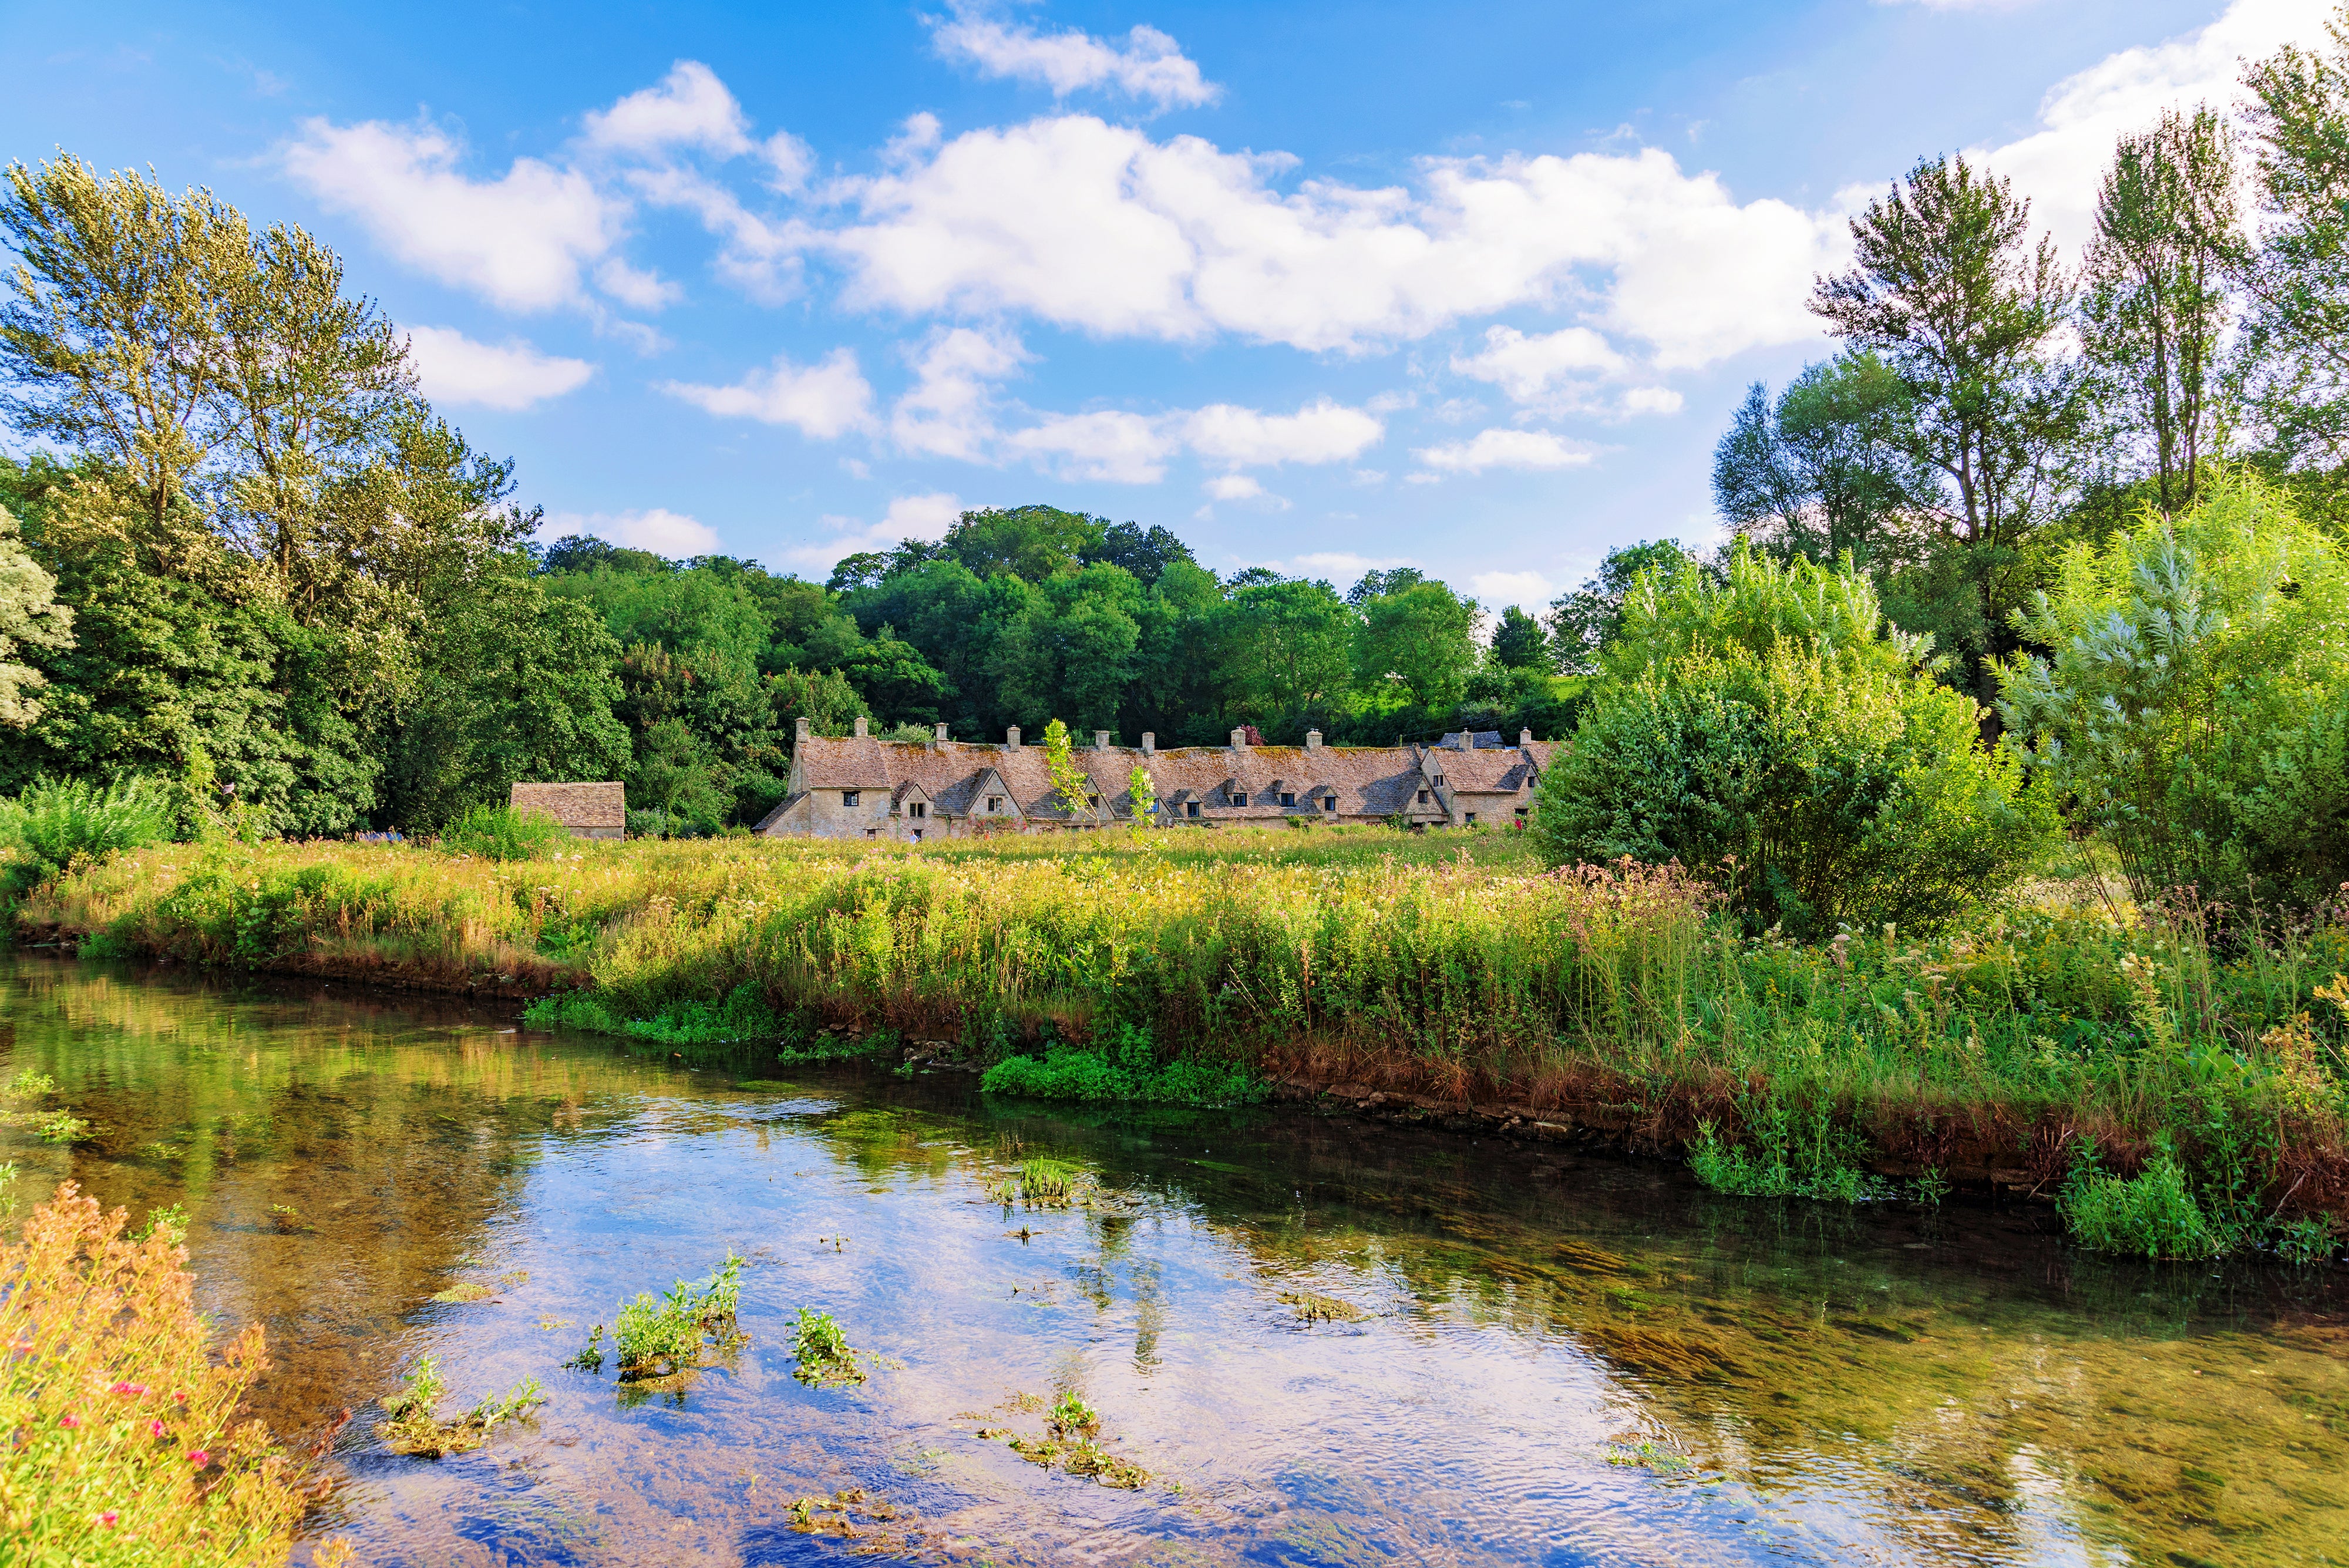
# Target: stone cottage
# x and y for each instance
(857, 786)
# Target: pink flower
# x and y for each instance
(200, 1458)
(127, 1389)
(156, 1428)
(108, 1518)
(181, 1395)
(69, 1419)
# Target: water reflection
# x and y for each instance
(1560, 1360)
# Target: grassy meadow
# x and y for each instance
(2061, 1040)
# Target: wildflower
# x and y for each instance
(69, 1421)
(200, 1458)
(127, 1389)
(108, 1518)
(155, 1427)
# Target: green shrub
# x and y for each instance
(1796, 1152)
(1124, 1065)
(502, 833)
(2152, 1214)
(53, 824)
(1771, 731)
(2195, 704)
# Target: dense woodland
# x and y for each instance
(245, 556)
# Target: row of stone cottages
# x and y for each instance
(858, 786)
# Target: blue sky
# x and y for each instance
(1316, 286)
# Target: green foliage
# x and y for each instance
(1796, 1151)
(1417, 638)
(502, 833)
(2150, 1215)
(52, 825)
(30, 617)
(1071, 785)
(416, 1430)
(821, 1347)
(1520, 642)
(1123, 1066)
(1586, 620)
(2195, 703)
(1821, 474)
(662, 1338)
(1769, 730)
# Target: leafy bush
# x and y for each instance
(2194, 703)
(502, 833)
(1796, 1152)
(51, 826)
(2152, 1215)
(1770, 730)
(126, 1447)
(1123, 1066)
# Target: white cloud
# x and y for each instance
(908, 517)
(1233, 487)
(1149, 66)
(1504, 449)
(1119, 448)
(1505, 589)
(825, 399)
(689, 108)
(1526, 367)
(948, 410)
(1651, 400)
(2059, 166)
(658, 530)
(520, 241)
(634, 286)
(1096, 227)
(1320, 431)
(1339, 566)
(453, 369)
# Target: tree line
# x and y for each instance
(1991, 407)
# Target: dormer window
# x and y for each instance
(849, 796)
(1422, 797)
(1287, 798)
(1093, 801)
(1438, 779)
(1191, 808)
(1239, 797)
(1329, 803)
(920, 809)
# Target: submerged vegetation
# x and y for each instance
(415, 1429)
(820, 1346)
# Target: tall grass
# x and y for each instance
(1448, 964)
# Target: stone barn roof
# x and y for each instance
(575, 806)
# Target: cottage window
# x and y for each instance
(1093, 801)
(1329, 803)
(1438, 779)
(920, 809)
(1422, 797)
(917, 836)
(1287, 798)
(1472, 819)
(1191, 808)
(1521, 812)
(1240, 799)
(848, 796)
(872, 833)
(995, 803)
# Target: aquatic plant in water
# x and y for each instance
(826, 1359)
(415, 1429)
(1070, 1442)
(1311, 1306)
(2152, 1215)
(662, 1338)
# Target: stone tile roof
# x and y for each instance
(844, 762)
(601, 804)
(1484, 770)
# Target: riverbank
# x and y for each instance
(2055, 1043)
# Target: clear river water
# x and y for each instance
(1561, 1358)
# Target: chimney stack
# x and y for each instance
(800, 732)
(1239, 740)
(1524, 737)
(1101, 740)
(860, 726)
(1011, 739)
(1312, 739)
(938, 740)
(1149, 743)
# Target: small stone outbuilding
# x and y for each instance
(860, 786)
(589, 810)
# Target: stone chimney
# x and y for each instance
(1149, 743)
(1239, 740)
(1524, 737)
(1101, 740)
(1011, 739)
(860, 726)
(938, 740)
(1312, 739)
(800, 732)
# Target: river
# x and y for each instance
(1561, 1358)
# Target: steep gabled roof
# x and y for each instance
(844, 762)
